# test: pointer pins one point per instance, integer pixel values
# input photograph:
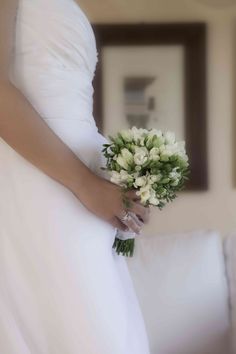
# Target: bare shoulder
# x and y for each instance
(8, 10)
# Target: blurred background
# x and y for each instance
(214, 208)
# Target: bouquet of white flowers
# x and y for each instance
(150, 161)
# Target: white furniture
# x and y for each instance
(186, 285)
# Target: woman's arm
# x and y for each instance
(27, 133)
(21, 126)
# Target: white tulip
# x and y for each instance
(127, 155)
(154, 154)
(125, 158)
(122, 162)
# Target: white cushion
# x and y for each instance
(230, 257)
(182, 289)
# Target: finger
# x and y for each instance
(141, 211)
(133, 225)
(148, 207)
(118, 224)
(137, 219)
(133, 222)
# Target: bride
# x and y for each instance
(63, 289)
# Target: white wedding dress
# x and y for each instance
(63, 289)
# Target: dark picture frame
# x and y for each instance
(192, 36)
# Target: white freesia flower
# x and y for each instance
(177, 148)
(180, 150)
(144, 193)
(140, 181)
(167, 150)
(138, 134)
(154, 154)
(125, 158)
(159, 137)
(175, 183)
(165, 156)
(115, 177)
(154, 178)
(169, 137)
(180, 146)
(156, 132)
(143, 131)
(141, 141)
(121, 177)
(183, 156)
(125, 176)
(147, 193)
(141, 155)
(134, 175)
(153, 199)
(174, 175)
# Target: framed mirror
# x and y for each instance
(154, 76)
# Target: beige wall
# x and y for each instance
(216, 208)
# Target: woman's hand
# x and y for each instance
(106, 200)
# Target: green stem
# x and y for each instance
(125, 247)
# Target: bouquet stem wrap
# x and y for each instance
(124, 242)
(124, 246)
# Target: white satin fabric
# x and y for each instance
(63, 289)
